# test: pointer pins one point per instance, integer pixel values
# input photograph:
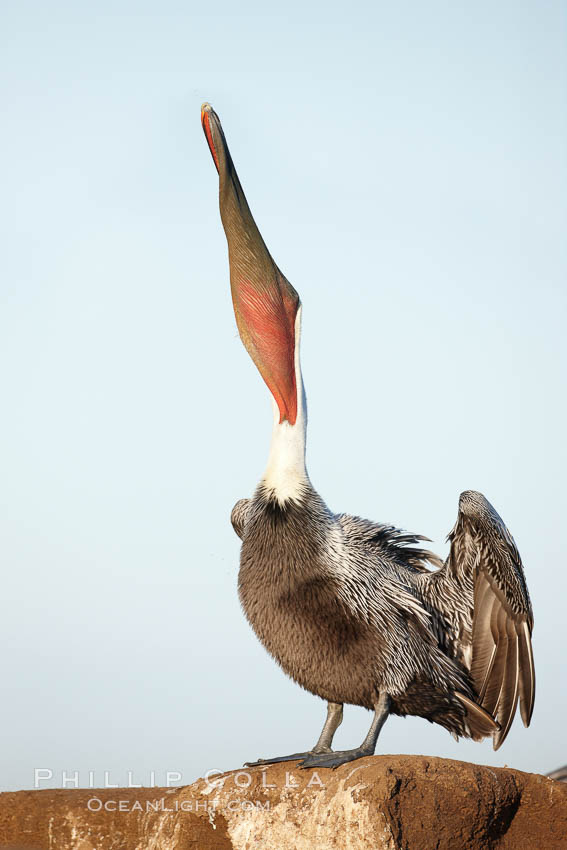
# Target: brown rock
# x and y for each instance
(378, 803)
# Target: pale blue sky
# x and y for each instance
(406, 164)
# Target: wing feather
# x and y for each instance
(526, 683)
(485, 645)
(484, 555)
(508, 699)
(494, 676)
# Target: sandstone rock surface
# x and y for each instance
(378, 803)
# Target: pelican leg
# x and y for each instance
(334, 759)
(323, 745)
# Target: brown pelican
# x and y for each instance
(351, 609)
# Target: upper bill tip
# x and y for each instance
(212, 128)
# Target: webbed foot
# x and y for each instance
(292, 757)
(276, 759)
(334, 759)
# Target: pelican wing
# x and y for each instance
(502, 666)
